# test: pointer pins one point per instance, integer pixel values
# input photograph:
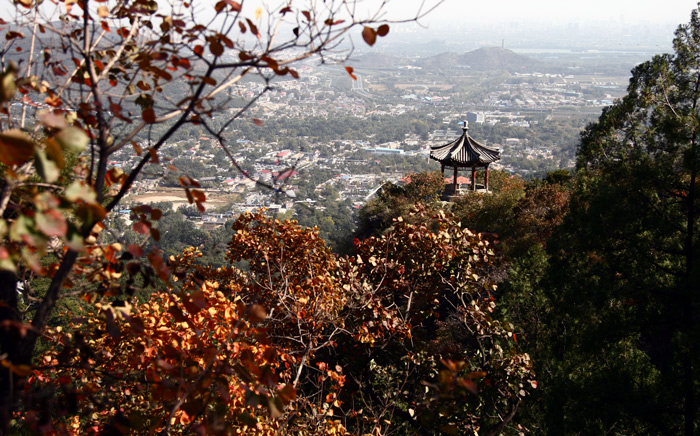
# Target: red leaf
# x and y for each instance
(257, 121)
(149, 115)
(253, 28)
(369, 35)
(52, 223)
(235, 6)
(199, 299)
(350, 70)
(12, 35)
(158, 265)
(135, 250)
(216, 48)
(383, 30)
(140, 227)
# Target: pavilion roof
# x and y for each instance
(464, 152)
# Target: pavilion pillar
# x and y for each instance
(473, 178)
(486, 185)
(454, 186)
(442, 168)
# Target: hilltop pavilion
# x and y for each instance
(465, 152)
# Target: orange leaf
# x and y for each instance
(257, 121)
(350, 71)
(16, 147)
(256, 313)
(154, 155)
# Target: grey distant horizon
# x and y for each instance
(624, 12)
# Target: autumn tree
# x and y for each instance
(400, 337)
(426, 303)
(623, 280)
(83, 80)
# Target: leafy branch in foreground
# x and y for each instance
(82, 80)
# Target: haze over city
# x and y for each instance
(550, 11)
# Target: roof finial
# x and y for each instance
(466, 125)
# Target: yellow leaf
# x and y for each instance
(258, 13)
(103, 11)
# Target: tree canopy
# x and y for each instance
(83, 80)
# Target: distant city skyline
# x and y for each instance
(548, 11)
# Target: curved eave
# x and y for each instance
(464, 152)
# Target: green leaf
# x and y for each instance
(74, 241)
(8, 261)
(47, 169)
(72, 139)
(7, 85)
(16, 147)
(79, 191)
(23, 230)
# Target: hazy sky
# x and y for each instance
(560, 11)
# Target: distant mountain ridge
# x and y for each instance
(482, 59)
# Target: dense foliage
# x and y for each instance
(296, 340)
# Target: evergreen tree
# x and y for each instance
(623, 280)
